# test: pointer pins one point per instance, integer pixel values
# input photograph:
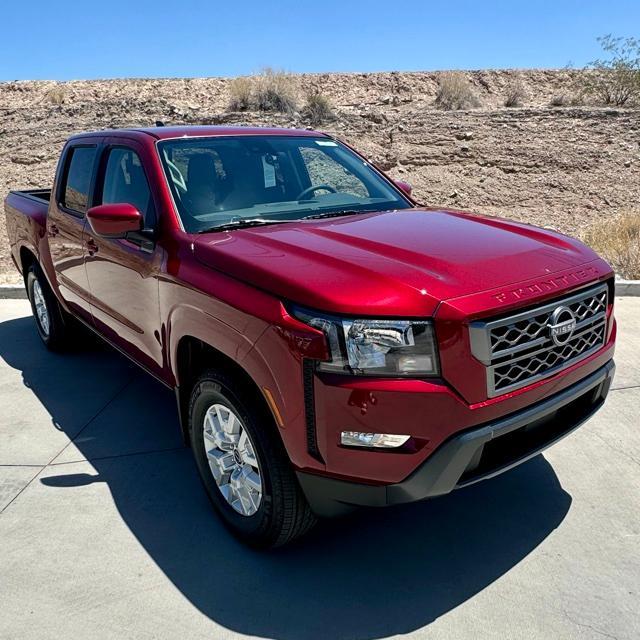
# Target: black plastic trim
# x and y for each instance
(451, 465)
(61, 184)
(308, 375)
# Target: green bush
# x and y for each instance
(615, 79)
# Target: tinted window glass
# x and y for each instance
(78, 182)
(224, 180)
(325, 170)
(125, 181)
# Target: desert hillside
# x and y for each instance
(563, 167)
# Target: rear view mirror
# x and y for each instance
(114, 220)
(405, 187)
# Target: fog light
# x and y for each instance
(381, 440)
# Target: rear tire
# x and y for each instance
(243, 464)
(49, 317)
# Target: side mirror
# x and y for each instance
(403, 186)
(114, 220)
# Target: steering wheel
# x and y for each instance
(312, 189)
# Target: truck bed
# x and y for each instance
(26, 213)
(35, 194)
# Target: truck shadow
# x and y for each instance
(375, 574)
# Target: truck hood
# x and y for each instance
(389, 263)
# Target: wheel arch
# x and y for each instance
(27, 258)
(192, 357)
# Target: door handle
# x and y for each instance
(92, 247)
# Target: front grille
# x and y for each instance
(519, 349)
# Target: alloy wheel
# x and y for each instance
(232, 459)
(42, 313)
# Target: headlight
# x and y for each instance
(376, 347)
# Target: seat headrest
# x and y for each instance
(201, 169)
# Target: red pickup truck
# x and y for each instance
(330, 342)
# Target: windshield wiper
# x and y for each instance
(242, 224)
(257, 222)
(337, 214)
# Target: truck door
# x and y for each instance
(123, 273)
(66, 222)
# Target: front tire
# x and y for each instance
(243, 464)
(48, 316)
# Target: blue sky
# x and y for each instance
(71, 39)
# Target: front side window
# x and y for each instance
(125, 181)
(75, 194)
(220, 181)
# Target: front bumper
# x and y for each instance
(474, 454)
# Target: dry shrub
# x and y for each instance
(617, 240)
(240, 94)
(568, 100)
(560, 100)
(317, 108)
(455, 92)
(275, 91)
(578, 99)
(516, 94)
(615, 79)
(55, 95)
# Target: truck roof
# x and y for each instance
(163, 133)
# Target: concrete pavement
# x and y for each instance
(105, 531)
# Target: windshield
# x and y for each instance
(228, 181)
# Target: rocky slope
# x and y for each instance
(565, 168)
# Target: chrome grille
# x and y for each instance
(519, 349)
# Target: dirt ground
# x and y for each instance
(565, 168)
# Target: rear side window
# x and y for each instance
(75, 194)
(125, 181)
